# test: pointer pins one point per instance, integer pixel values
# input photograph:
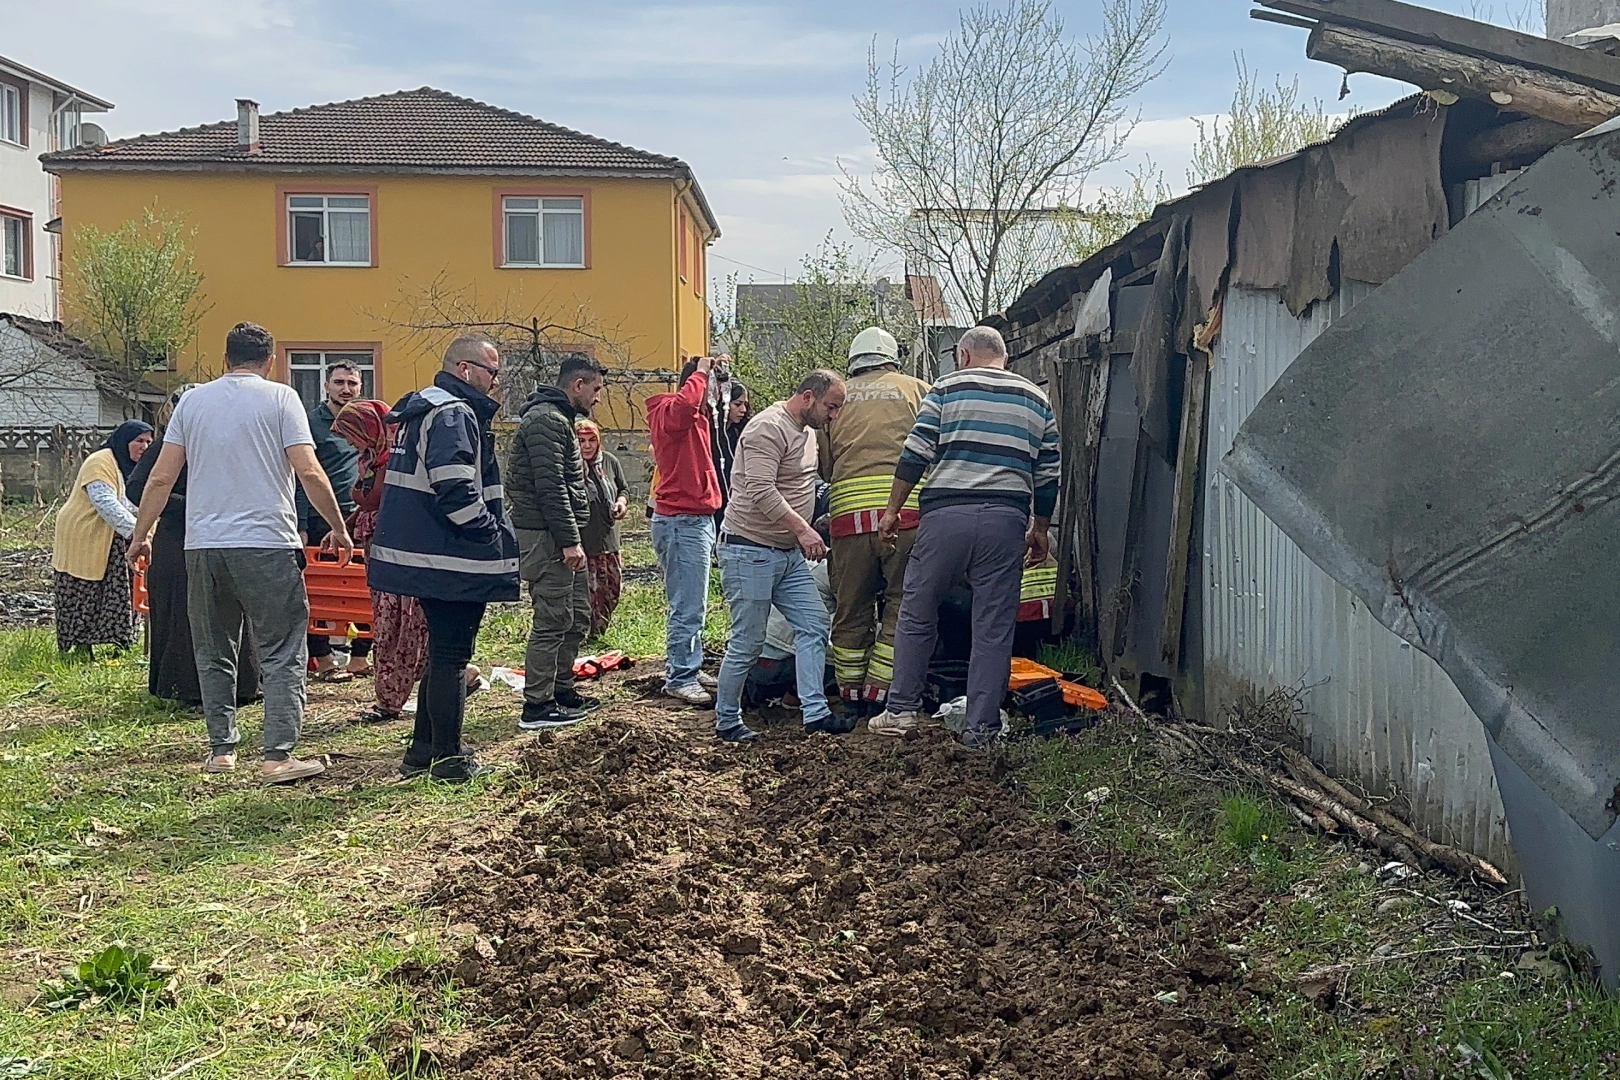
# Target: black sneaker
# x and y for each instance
(831, 725)
(456, 770)
(547, 716)
(740, 733)
(415, 764)
(573, 699)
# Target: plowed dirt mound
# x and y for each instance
(668, 906)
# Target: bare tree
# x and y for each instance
(1260, 125)
(136, 293)
(978, 154)
(534, 335)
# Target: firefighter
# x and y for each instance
(861, 449)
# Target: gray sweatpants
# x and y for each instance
(982, 543)
(562, 616)
(266, 586)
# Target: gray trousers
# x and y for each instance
(562, 616)
(266, 586)
(984, 544)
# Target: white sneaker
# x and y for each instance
(893, 724)
(707, 681)
(692, 695)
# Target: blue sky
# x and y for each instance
(756, 96)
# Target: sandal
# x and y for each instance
(378, 715)
(331, 675)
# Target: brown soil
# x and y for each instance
(668, 906)
(26, 598)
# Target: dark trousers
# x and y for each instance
(442, 697)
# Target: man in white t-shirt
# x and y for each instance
(244, 438)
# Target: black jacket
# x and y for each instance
(545, 475)
(442, 532)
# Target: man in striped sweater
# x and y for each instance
(989, 443)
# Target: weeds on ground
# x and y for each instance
(279, 912)
(1069, 655)
(1426, 994)
(25, 526)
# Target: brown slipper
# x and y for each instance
(334, 675)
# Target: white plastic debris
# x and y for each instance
(1458, 905)
(1169, 997)
(1098, 795)
(1395, 870)
(953, 714)
(513, 677)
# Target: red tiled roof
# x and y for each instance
(424, 130)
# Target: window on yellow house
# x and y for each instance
(332, 230)
(544, 231)
(306, 371)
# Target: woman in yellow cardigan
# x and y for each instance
(94, 588)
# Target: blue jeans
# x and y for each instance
(684, 545)
(754, 580)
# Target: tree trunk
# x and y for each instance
(1509, 86)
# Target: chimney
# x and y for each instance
(247, 125)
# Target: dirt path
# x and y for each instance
(671, 906)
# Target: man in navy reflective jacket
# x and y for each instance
(443, 536)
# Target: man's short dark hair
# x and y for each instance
(248, 343)
(688, 369)
(579, 366)
(343, 365)
(468, 349)
(818, 382)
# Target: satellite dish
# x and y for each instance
(91, 134)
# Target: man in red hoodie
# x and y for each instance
(684, 500)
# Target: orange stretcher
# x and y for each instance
(1028, 673)
(338, 595)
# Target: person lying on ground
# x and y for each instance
(766, 551)
(546, 488)
(443, 536)
(244, 439)
(988, 442)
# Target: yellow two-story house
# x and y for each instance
(371, 230)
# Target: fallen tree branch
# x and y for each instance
(1457, 861)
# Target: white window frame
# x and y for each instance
(320, 360)
(11, 115)
(68, 119)
(325, 209)
(541, 212)
(21, 225)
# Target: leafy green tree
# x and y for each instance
(1261, 124)
(1116, 211)
(135, 293)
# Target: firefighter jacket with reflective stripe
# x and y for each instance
(1037, 591)
(863, 446)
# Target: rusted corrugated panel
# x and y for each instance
(1380, 710)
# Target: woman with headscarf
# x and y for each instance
(94, 588)
(609, 497)
(171, 670)
(398, 627)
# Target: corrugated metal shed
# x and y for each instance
(1380, 711)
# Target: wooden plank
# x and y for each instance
(1057, 391)
(1518, 141)
(1419, 24)
(1508, 86)
(1098, 373)
(1194, 402)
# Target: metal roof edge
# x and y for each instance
(56, 84)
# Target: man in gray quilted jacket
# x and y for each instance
(545, 493)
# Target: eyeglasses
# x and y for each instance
(493, 371)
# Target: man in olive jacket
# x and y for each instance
(545, 495)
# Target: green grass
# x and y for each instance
(280, 910)
(1444, 1014)
(1070, 656)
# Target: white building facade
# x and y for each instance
(38, 114)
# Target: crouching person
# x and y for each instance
(443, 536)
(764, 550)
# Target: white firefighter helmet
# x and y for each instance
(872, 347)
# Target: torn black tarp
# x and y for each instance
(1450, 452)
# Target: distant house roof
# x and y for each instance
(411, 131)
(928, 300)
(95, 103)
(109, 376)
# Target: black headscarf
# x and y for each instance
(118, 442)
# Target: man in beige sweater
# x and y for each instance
(766, 551)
